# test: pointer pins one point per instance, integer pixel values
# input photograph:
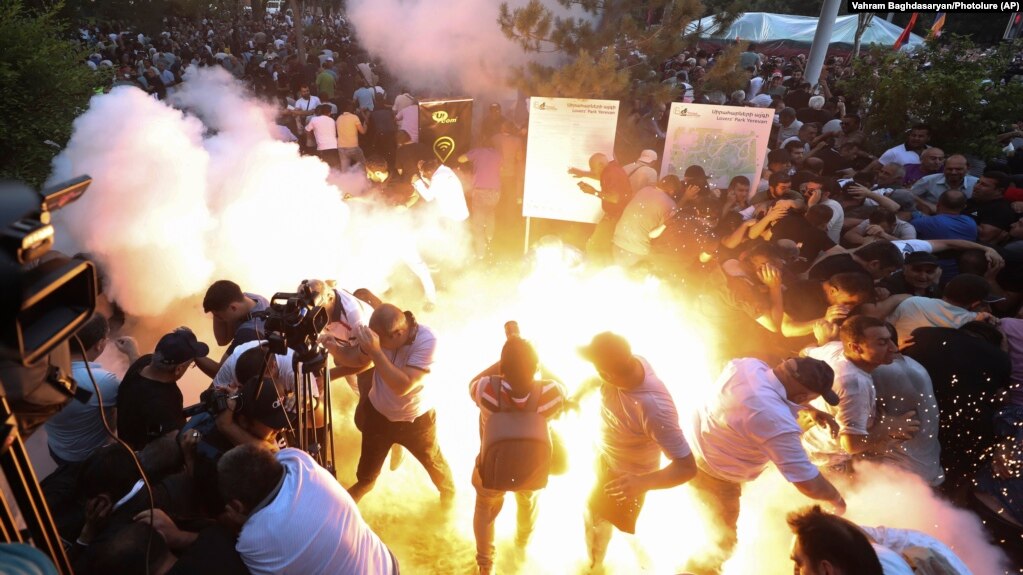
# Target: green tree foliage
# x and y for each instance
(965, 102)
(614, 50)
(44, 85)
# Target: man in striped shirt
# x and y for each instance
(639, 422)
(509, 389)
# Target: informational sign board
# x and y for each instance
(445, 126)
(726, 141)
(563, 134)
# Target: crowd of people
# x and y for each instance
(869, 310)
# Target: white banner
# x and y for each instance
(563, 134)
(726, 141)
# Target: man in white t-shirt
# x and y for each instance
(909, 152)
(752, 420)
(865, 345)
(399, 407)
(438, 182)
(303, 110)
(962, 295)
(323, 129)
(639, 424)
(903, 386)
(408, 120)
(643, 220)
(295, 517)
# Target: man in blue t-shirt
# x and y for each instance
(949, 223)
(77, 430)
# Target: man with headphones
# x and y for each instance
(398, 410)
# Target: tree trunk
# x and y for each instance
(297, 16)
(862, 23)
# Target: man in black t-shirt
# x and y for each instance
(989, 208)
(149, 403)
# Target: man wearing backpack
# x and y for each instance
(515, 449)
(639, 422)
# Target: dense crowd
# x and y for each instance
(869, 311)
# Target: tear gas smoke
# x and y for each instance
(180, 199)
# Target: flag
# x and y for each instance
(905, 33)
(939, 23)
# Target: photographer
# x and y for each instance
(253, 414)
(247, 362)
(345, 313)
(233, 315)
(149, 403)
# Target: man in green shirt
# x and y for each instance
(325, 81)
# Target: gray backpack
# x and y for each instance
(515, 452)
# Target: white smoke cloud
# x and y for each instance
(145, 214)
(441, 47)
(180, 199)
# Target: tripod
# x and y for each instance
(316, 441)
(17, 469)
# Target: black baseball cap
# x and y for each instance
(921, 259)
(813, 374)
(180, 346)
(261, 402)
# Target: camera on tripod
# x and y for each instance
(294, 321)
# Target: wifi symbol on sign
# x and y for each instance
(443, 147)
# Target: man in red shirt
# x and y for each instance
(615, 193)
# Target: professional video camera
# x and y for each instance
(214, 401)
(295, 321)
(46, 297)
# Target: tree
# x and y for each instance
(863, 21)
(946, 85)
(44, 85)
(614, 50)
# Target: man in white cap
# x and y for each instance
(642, 172)
(639, 423)
(752, 420)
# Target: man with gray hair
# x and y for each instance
(813, 112)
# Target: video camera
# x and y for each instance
(46, 297)
(214, 402)
(294, 321)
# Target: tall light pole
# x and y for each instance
(821, 40)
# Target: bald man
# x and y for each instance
(398, 411)
(615, 193)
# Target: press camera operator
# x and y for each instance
(345, 314)
(247, 363)
(251, 414)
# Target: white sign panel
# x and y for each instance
(726, 141)
(563, 134)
